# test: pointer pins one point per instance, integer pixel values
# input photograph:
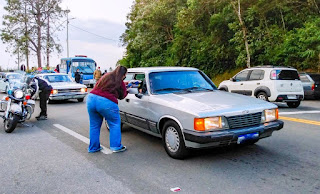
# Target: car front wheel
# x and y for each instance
(173, 140)
(293, 104)
(80, 99)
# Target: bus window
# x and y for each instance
(84, 67)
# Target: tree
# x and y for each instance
(24, 23)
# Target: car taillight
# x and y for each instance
(28, 97)
(312, 87)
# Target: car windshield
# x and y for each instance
(84, 67)
(179, 81)
(14, 76)
(57, 78)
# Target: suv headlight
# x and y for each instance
(18, 94)
(269, 115)
(210, 123)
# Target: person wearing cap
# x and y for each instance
(97, 74)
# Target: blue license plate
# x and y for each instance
(243, 138)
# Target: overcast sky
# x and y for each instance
(103, 19)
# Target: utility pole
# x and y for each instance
(68, 33)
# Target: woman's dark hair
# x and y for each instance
(112, 81)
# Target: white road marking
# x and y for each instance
(81, 138)
(299, 112)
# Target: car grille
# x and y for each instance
(247, 120)
(68, 90)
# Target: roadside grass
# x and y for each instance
(225, 76)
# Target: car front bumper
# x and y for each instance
(67, 96)
(194, 139)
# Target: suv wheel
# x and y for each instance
(262, 96)
(173, 141)
(293, 104)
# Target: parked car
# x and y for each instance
(6, 78)
(269, 83)
(184, 108)
(311, 85)
(64, 88)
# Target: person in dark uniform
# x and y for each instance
(44, 89)
(77, 76)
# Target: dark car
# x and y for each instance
(311, 85)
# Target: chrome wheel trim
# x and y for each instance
(172, 139)
(262, 97)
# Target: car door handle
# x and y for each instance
(127, 100)
(241, 84)
(258, 83)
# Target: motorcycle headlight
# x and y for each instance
(18, 94)
(211, 123)
(269, 115)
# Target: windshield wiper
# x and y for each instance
(198, 88)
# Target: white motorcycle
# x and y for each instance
(17, 106)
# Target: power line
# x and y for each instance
(93, 33)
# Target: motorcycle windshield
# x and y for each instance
(16, 84)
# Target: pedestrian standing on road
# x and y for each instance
(102, 102)
(105, 72)
(44, 88)
(97, 74)
(77, 76)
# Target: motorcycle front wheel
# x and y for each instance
(11, 123)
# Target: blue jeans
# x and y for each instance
(99, 108)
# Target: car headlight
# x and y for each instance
(269, 115)
(83, 90)
(210, 123)
(54, 92)
(18, 94)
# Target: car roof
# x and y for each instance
(271, 67)
(160, 69)
(44, 74)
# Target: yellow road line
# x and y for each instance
(300, 120)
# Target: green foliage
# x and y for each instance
(208, 35)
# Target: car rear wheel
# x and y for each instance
(173, 141)
(262, 96)
(293, 104)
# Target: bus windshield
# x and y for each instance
(84, 67)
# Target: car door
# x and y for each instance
(134, 109)
(239, 80)
(2, 83)
(254, 81)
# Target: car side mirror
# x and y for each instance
(139, 95)
(232, 79)
(6, 80)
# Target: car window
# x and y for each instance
(242, 76)
(57, 78)
(129, 77)
(256, 75)
(288, 75)
(316, 78)
(14, 76)
(140, 77)
(179, 81)
(304, 78)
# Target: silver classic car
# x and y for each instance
(184, 108)
(63, 87)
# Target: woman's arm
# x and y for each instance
(124, 91)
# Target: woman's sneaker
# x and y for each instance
(124, 148)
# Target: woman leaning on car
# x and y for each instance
(102, 102)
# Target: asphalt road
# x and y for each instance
(42, 158)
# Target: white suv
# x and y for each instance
(270, 83)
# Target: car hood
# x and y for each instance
(204, 104)
(67, 85)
